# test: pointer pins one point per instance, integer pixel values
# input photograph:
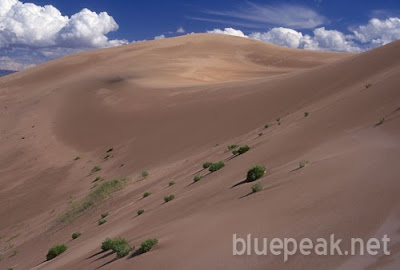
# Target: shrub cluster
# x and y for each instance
(206, 165)
(169, 198)
(197, 178)
(55, 251)
(171, 183)
(255, 173)
(118, 245)
(216, 166)
(148, 244)
(75, 235)
(243, 149)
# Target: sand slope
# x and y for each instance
(168, 106)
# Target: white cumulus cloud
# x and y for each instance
(228, 31)
(378, 32)
(180, 30)
(159, 37)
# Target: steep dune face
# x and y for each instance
(168, 106)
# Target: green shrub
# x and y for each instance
(102, 221)
(381, 121)
(139, 212)
(256, 187)
(145, 174)
(107, 156)
(207, 165)
(255, 173)
(303, 163)
(148, 244)
(110, 150)
(266, 126)
(232, 146)
(77, 158)
(118, 245)
(98, 178)
(306, 114)
(169, 198)
(243, 149)
(96, 169)
(171, 183)
(197, 178)
(260, 134)
(75, 235)
(104, 215)
(216, 166)
(368, 85)
(55, 251)
(146, 194)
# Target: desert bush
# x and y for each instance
(148, 244)
(260, 134)
(146, 194)
(243, 149)
(206, 165)
(56, 251)
(110, 150)
(171, 183)
(145, 174)
(169, 198)
(368, 85)
(256, 187)
(102, 221)
(76, 235)
(306, 114)
(104, 215)
(303, 163)
(197, 178)
(266, 126)
(216, 166)
(98, 178)
(107, 156)
(139, 212)
(255, 173)
(381, 121)
(232, 146)
(118, 245)
(96, 169)
(77, 158)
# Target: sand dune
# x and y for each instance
(167, 106)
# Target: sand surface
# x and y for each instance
(170, 105)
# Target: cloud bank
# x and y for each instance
(375, 33)
(27, 25)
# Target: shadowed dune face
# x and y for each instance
(167, 107)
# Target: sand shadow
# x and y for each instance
(231, 157)
(105, 255)
(298, 168)
(107, 263)
(138, 252)
(240, 183)
(204, 176)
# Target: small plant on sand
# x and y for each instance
(102, 221)
(104, 215)
(266, 126)
(118, 245)
(381, 121)
(368, 85)
(171, 183)
(76, 235)
(107, 157)
(216, 166)
(197, 178)
(243, 149)
(110, 150)
(148, 244)
(260, 134)
(232, 146)
(256, 187)
(144, 174)
(169, 198)
(96, 169)
(139, 212)
(206, 165)
(55, 251)
(255, 173)
(306, 114)
(303, 163)
(146, 194)
(98, 178)
(77, 158)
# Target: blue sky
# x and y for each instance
(45, 29)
